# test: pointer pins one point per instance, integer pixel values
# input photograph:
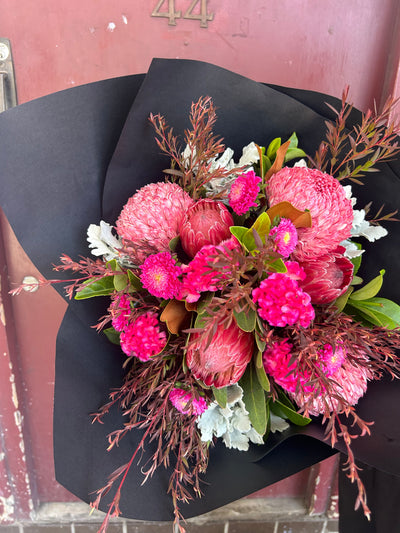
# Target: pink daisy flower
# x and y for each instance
(180, 400)
(285, 237)
(244, 192)
(325, 198)
(143, 338)
(160, 275)
(282, 303)
(120, 311)
(151, 218)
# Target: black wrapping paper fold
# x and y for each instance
(73, 158)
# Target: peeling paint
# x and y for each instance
(111, 26)
(7, 508)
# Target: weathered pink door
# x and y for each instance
(57, 45)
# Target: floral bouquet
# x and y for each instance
(233, 290)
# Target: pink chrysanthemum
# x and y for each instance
(276, 359)
(143, 338)
(244, 192)
(151, 218)
(160, 275)
(199, 275)
(285, 237)
(325, 198)
(327, 276)
(186, 403)
(282, 303)
(120, 310)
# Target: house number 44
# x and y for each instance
(172, 15)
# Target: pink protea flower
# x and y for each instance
(324, 197)
(160, 275)
(120, 310)
(282, 302)
(244, 192)
(205, 222)
(180, 400)
(200, 276)
(143, 337)
(327, 276)
(285, 237)
(223, 361)
(151, 218)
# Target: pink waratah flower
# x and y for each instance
(151, 218)
(205, 222)
(180, 400)
(200, 276)
(223, 361)
(282, 302)
(327, 276)
(325, 198)
(160, 275)
(244, 192)
(285, 237)
(143, 337)
(120, 311)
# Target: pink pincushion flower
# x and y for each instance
(143, 337)
(160, 275)
(327, 276)
(222, 361)
(200, 276)
(285, 237)
(205, 222)
(325, 198)
(180, 400)
(120, 311)
(244, 192)
(151, 218)
(282, 302)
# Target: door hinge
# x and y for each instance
(8, 91)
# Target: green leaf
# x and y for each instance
(341, 301)
(261, 375)
(239, 232)
(356, 260)
(277, 265)
(134, 282)
(262, 226)
(221, 396)
(273, 147)
(260, 343)
(282, 410)
(246, 320)
(369, 290)
(294, 153)
(112, 335)
(120, 282)
(173, 243)
(356, 280)
(294, 141)
(378, 311)
(204, 301)
(100, 287)
(254, 399)
(113, 264)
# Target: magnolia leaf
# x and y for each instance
(279, 160)
(369, 290)
(356, 280)
(112, 335)
(378, 311)
(261, 375)
(246, 319)
(277, 265)
(282, 410)
(134, 282)
(239, 232)
(176, 316)
(220, 396)
(173, 243)
(341, 301)
(273, 147)
(260, 343)
(120, 282)
(300, 219)
(254, 399)
(91, 289)
(294, 153)
(113, 264)
(262, 226)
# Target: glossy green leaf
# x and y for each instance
(114, 265)
(284, 411)
(378, 311)
(204, 301)
(356, 260)
(294, 141)
(91, 289)
(273, 147)
(112, 335)
(220, 396)
(239, 232)
(260, 343)
(246, 320)
(173, 243)
(120, 282)
(262, 226)
(261, 375)
(294, 153)
(369, 290)
(134, 282)
(277, 265)
(341, 301)
(254, 399)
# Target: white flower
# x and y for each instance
(102, 242)
(278, 423)
(302, 163)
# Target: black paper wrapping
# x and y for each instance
(73, 158)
